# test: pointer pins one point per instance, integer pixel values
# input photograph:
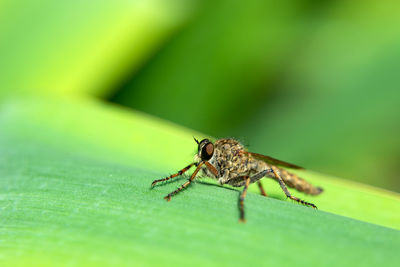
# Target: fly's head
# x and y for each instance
(205, 150)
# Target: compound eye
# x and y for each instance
(210, 149)
(207, 151)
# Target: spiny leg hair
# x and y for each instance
(287, 193)
(173, 175)
(188, 182)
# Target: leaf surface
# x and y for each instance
(75, 189)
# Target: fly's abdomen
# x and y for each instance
(298, 183)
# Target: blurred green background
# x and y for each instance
(315, 83)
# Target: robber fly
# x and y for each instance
(230, 163)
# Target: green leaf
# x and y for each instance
(80, 46)
(75, 189)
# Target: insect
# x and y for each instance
(230, 163)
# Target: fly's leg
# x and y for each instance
(257, 177)
(241, 199)
(211, 168)
(238, 181)
(188, 182)
(287, 193)
(173, 175)
(262, 191)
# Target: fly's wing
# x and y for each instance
(273, 161)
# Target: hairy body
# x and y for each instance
(231, 162)
(228, 161)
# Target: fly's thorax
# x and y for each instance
(228, 145)
(227, 149)
(231, 159)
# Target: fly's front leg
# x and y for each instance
(287, 193)
(188, 182)
(212, 169)
(173, 175)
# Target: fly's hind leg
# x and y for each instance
(287, 193)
